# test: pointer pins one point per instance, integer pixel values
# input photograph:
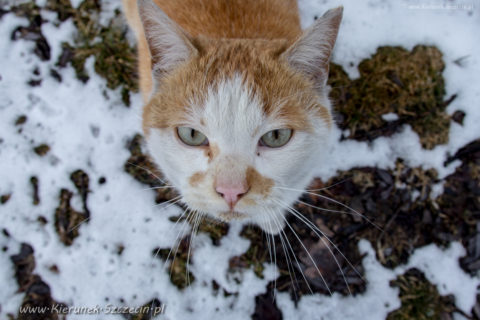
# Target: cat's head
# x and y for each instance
(236, 125)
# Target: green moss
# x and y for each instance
(409, 84)
(214, 228)
(256, 255)
(115, 58)
(420, 299)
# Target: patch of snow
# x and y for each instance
(390, 116)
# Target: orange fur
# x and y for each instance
(234, 19)
(243, 37)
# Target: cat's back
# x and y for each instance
(252, 19)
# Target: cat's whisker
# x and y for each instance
(176, 238)
(312, 226)
(148, 171)
(296, 260)
(336, 211)
(336, 202)
(291, 270)
(322, 236)
(275, 268)
(169, 203)
(310, 257)
(271, 241)
(269, 245)
(294, 256)
(196, 225)
(161, 187)
(330, 186)
(79, 224)
(179, 242)
(324, 209)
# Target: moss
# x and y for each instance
(42, 149)
(409, 84)
(115, 58)
(420, 299)
(214, 228)
(256, 255)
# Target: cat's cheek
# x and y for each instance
(177, 162)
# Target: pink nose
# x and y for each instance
(231, 192)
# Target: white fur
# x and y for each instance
(234, 121)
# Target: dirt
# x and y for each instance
(36, 292)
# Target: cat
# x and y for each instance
(236, 102)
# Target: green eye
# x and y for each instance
(192, 137)
(276, 138)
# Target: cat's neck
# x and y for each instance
(249, 19)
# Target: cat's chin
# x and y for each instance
(268, 225)
(232, 215)
(272, 228)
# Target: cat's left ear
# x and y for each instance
(310, 54)
(168, 43)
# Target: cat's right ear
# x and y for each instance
(168, 43)
(310, 54)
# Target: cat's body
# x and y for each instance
(236, 107)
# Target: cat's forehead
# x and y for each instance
(237, 87)
(231, 113)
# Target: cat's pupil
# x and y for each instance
(192, 134)
(276, 134)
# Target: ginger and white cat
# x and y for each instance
(236, 108)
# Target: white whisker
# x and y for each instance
(337, 202)
(330, 186)
(291, 271)
(323, 236)
(308, 253)
(79, 224)
(295, 257)
(148, 171)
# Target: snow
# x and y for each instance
(390, 116)
(87, 127)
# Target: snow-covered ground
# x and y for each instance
(87, 128)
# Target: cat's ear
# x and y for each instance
(310, 54)
(168, 43)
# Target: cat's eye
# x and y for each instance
(192, 137)
(276, 138)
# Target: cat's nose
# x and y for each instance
(231, 192)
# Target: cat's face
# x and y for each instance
(236, 128)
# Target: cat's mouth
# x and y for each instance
(231, 215)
